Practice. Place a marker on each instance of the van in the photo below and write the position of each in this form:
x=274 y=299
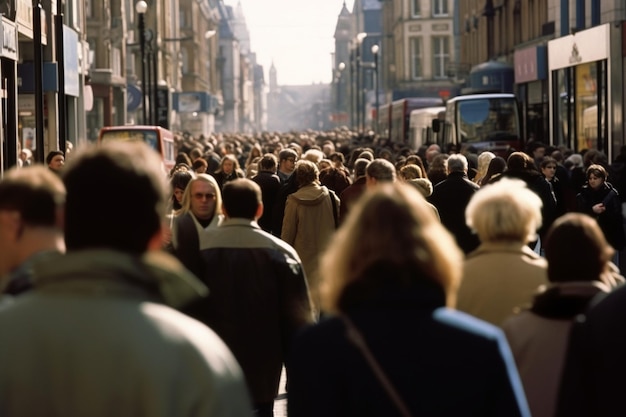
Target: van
x=158 y=138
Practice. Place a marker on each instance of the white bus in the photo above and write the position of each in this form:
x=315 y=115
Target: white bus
x=420 y=126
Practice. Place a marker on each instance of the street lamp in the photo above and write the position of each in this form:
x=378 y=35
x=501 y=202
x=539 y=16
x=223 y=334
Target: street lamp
x=375 y=49
x=141 y=7
x=359 y=39
x=340 y=68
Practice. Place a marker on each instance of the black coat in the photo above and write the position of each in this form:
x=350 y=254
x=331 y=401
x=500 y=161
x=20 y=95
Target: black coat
x=270 y=184
x=610 y=221
x=451 y=197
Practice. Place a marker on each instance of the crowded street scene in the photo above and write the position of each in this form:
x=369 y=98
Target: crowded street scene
x=269 y=208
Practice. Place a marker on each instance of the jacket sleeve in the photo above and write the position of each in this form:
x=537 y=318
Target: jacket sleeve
x=290 y=221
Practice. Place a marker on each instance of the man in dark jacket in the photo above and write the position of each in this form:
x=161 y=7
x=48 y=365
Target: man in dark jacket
x=259 y=297
x=451 y=197
x=270 y=184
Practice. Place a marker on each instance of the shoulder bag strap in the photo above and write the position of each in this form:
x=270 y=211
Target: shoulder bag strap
x=355 y=337
x=331 y=194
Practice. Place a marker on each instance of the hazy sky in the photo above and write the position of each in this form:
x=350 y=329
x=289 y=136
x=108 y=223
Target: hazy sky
x=297 y=35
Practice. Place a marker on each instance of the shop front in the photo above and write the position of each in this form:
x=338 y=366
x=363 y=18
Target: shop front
x=531 y=80
x=586 y=92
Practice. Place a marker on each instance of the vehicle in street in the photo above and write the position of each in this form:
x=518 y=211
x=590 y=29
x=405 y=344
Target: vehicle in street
x=420 y=126
x=488 y=122
x=401 y=114
x=158 y=138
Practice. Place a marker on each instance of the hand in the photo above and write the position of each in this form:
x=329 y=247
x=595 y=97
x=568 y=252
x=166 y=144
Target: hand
x=599 y=208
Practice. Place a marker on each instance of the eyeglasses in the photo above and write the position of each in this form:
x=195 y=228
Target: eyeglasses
x=200 y=196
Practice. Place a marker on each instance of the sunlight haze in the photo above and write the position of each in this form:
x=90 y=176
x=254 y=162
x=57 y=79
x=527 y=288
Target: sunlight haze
x=297 y=35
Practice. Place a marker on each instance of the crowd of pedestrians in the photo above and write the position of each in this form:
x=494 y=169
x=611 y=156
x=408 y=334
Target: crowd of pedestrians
x=385 y=281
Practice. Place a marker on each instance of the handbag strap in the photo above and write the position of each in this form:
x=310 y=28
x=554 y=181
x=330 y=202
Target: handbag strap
x=356 y=338
x=331 y=194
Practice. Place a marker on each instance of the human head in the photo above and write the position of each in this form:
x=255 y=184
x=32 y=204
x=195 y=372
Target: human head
x=268 y=163
x=178 y=182
x=457 y=163
x=55 y=160
x=306 y=173
x=496 y=167
x=31 y=197
x=407 y=237
x=519 y=162
x=287 y=160
x=410 y=171
x=359 y=167
x=505 y=211
x=483 y=163
x=242 y=198
x=584 y=260
x=202 y=197
x=229 y=163
x=596 y=176
x=199 y=166
x=548 y=167
x=97 y=179
x=379 y=170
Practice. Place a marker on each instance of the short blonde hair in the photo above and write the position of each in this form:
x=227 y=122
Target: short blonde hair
x=390 y=224
x=506 y=210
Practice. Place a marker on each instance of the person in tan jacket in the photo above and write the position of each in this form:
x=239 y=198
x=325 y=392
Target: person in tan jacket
x=503 y=273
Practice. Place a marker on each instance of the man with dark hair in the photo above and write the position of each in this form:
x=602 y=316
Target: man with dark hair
x=286 y=164
x=32 y=200
x=95 y=336
x=270 y=184
x=259 y=296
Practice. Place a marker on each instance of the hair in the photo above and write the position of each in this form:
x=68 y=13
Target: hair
x=506 y=210
x=366 y=155
x=313 y=155
x=360 y=165
x=496 y=167
x=584 y=260
x=547 y=160
x=268 y=163
x=255 y=151
x=407 y=237
x=598 y=171
x=229 y=157
x=519 y=161
x=194 y=154
x=337 y=157
x=35 y=192
x=180 y=179
x=457 y=163
x=286 y=154
x=306 y=173
x=410 y=172
x=416 y=160
x=381 y=170
x=182 y=158
x=199 y=163
x=483 y=164
x=187 y=197
x=52 y=154
x=241 y=198
x=97 y=179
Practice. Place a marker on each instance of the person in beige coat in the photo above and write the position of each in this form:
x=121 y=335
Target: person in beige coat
x=503 y=273
x=311 y=216
x=539 y=335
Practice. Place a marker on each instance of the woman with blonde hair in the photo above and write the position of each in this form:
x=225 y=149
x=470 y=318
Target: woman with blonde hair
x=392 y=345
x=483 y=164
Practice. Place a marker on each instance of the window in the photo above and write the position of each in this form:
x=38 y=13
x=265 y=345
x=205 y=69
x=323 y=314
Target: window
x=416 y=58
x=441 y=56
x=440 y=7
x=416 y=10
x=89 y=9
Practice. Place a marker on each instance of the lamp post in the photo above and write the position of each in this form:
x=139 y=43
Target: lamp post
x=359 y=40
x=340 y=69
x=375 y=49
x=141 y=7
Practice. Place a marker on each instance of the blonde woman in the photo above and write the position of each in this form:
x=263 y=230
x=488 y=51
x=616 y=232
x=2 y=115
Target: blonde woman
x=390 y=275
x=483 y=165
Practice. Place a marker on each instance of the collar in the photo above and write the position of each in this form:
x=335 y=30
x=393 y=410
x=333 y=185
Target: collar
x=155 y=275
